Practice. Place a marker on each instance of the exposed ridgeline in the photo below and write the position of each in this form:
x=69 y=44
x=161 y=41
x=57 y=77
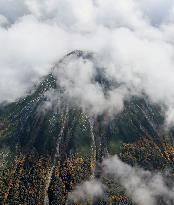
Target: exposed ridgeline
x=49 y=144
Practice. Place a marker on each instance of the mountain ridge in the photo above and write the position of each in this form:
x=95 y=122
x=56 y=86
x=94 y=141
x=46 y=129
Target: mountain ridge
x=53 y=145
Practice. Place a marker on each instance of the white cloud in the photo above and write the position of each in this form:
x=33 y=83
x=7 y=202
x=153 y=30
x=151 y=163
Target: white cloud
x=77 y=76
x=87 y=191
x=3 y=21
x=144 y=187
x=158 y=11
x=133 y=39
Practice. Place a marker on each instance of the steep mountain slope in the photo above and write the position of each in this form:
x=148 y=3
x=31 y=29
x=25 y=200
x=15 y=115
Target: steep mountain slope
x=48 y=144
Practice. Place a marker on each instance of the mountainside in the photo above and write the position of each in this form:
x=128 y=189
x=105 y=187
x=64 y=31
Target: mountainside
x=48 y=145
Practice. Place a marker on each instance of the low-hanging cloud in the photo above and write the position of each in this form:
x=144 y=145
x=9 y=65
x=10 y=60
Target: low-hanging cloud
x=78 y=77
x=132 y=39
x=88 y=190
x=142 y=187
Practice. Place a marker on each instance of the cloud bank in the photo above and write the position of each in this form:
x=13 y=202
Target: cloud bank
x=133 y=39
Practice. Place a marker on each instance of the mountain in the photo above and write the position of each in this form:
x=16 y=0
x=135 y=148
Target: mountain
x=48 y=145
